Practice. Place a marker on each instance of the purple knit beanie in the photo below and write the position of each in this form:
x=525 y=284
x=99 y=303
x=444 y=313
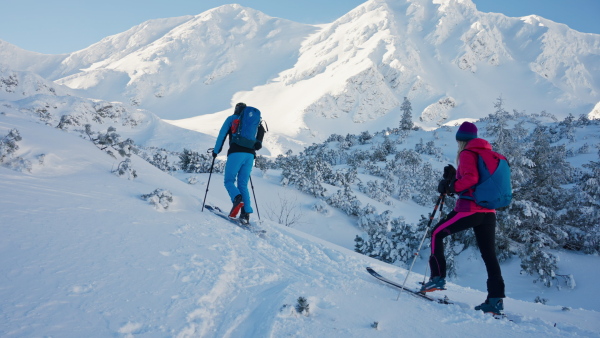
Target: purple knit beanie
x=466 y=132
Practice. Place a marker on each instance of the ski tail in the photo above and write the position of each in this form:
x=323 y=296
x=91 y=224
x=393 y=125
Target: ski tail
x=415 y=293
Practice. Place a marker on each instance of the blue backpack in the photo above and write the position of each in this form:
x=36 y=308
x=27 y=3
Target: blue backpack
x=493 y=190
x=244 y=128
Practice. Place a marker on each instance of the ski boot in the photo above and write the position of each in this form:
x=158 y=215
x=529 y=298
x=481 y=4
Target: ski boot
x=237 y=205
x=492 y=305
x=244 y=217
x=435 y=283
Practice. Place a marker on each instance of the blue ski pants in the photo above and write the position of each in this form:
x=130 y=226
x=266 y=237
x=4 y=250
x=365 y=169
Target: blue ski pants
x=238 y=168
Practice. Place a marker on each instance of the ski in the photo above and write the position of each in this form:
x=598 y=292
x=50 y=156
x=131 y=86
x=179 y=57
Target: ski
x=250 y=227
x=415 y=293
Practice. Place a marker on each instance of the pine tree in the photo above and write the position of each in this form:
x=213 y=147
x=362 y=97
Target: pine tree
x=406 y=123
x=497 y=127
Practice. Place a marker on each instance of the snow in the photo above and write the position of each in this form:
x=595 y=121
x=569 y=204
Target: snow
x=83 y=255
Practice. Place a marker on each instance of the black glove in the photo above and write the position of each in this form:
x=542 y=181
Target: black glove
x=443 y=186
x=257 y=145
x=214 y=154
x=449 y=172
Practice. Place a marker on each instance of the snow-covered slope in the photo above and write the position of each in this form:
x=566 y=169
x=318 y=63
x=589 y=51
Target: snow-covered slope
x=13 y=57
x=84 y=255
x=59 y=106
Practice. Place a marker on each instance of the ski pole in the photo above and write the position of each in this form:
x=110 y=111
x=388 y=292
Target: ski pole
x=253 y=194
x=437 y=204
x=209 y=175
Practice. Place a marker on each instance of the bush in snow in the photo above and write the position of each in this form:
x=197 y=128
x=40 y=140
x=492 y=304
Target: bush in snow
x=110 y=139
x=159 y=198
x=287 y=212
x=8 y=144
x=263 y=163
x=346 y=201
x=305 y=173
x=124 y=168
x=391 y=240
x=302 y=306
x=321 y=207
x=160 y=159
x=193 y=162
x=8 y=147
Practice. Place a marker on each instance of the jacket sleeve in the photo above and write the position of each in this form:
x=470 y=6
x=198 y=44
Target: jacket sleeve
x=223 y=134
x=467 y=174
x=260 y=134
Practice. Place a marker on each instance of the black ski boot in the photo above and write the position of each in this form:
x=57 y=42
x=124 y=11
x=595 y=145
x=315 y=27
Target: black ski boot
x=244 y=217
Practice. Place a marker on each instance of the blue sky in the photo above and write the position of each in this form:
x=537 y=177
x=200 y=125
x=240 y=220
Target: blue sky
x=64 y=26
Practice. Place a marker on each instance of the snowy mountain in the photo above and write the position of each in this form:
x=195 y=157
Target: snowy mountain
x=450 y=60
x=186 y=66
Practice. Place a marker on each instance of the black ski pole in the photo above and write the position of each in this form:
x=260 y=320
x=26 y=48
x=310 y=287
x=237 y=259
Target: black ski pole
x=253 y=194
x=437 y=204
x=210 y=150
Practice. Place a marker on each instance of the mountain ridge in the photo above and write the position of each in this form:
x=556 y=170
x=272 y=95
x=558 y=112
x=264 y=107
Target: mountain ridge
x=450 y=60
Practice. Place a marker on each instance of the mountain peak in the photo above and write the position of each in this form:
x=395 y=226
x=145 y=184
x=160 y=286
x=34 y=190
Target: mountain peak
x=450 y=60
x=446 y=3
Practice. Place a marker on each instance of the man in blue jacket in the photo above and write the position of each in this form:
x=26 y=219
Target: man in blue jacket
x=240 y=160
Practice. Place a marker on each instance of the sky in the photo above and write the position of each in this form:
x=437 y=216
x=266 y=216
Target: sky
x=65 y=26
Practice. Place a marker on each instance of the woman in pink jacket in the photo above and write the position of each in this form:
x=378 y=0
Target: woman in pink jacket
x=467 y=214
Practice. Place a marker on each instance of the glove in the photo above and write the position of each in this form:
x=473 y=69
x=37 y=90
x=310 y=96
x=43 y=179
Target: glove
x=449 y=172
x=443 y=186
x=214 y=154
x=257 y=145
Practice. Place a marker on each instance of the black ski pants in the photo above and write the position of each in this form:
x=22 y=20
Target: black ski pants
x=484 y=226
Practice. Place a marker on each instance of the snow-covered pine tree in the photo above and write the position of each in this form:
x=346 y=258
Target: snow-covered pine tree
x=305 y=173
x=567 y=128
x=497 y=127
x=537 y=261
x=582 y=219
x=406 y=122
x=345 y=200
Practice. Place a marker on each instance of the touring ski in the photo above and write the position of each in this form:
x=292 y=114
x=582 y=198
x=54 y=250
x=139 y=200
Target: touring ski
x=415 y=293
x=250 y=227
